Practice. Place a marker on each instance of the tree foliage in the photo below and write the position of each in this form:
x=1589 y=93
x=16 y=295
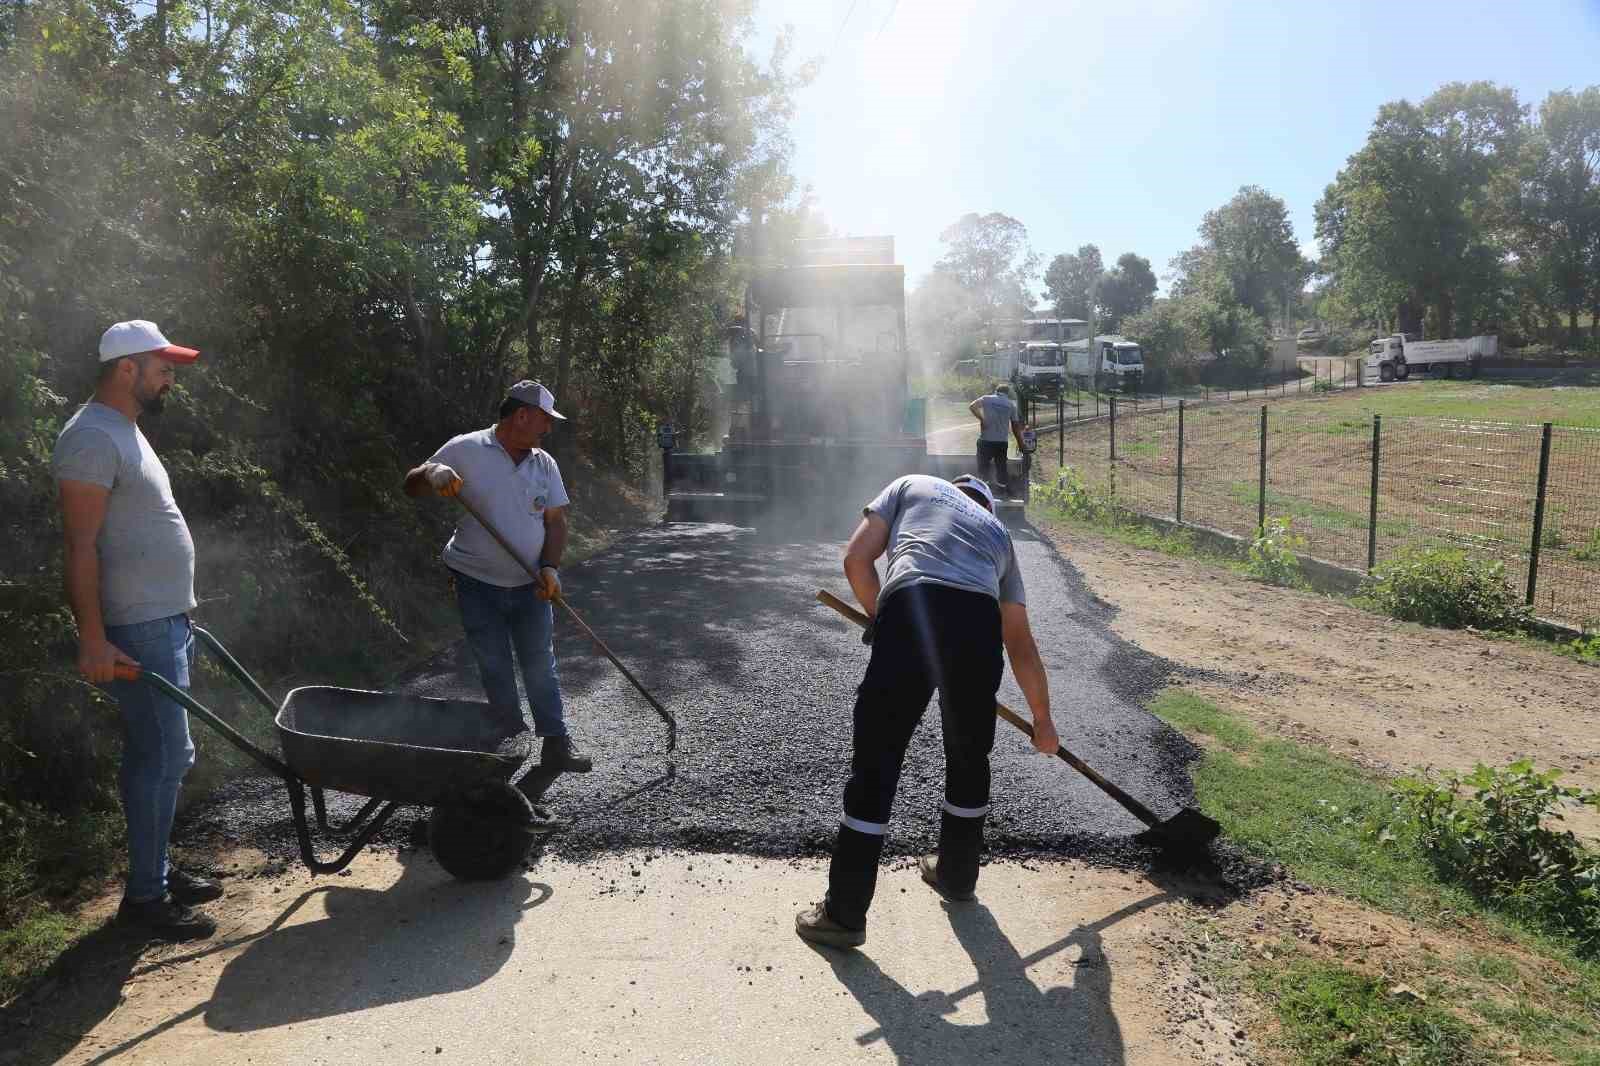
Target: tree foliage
x=371 y=216
x=1247 y=246
x=1072 y=281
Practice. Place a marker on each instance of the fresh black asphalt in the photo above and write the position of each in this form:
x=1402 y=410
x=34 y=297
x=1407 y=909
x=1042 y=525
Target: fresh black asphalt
x=722 y=625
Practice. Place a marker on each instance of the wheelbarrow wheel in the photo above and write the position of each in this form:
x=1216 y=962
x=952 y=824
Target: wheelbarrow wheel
x=484 y=834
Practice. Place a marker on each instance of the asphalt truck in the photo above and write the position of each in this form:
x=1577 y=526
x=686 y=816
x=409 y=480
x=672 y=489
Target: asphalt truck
x=1398 y=356
x=820 y=411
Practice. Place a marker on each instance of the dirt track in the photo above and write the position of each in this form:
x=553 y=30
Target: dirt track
x=1387 y=694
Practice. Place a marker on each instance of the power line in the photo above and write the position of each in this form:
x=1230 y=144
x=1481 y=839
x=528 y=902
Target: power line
x=840 y=35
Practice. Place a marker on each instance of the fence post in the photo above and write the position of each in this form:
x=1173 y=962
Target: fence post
x=1538 y=512
x=1179 y=516
x=1061 y=432
x=1261 y=504
x=1372 y=503
x=1113 y=429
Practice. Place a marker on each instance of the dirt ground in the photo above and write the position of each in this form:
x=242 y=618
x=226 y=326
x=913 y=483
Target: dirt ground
x=1060 y=961
x=1389 y=695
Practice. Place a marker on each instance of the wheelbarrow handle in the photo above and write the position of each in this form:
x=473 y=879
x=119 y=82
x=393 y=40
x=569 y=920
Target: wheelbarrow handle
x=126 y=672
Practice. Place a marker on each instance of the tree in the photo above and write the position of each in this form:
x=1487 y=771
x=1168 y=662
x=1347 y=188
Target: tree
x=1557 y=201
x=1408 y=226
x=1072 y=280
x=988 y=257
x=1126 y=290
x=1247 y=243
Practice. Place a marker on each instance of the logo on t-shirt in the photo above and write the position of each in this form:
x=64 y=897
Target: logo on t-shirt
x=538 y=504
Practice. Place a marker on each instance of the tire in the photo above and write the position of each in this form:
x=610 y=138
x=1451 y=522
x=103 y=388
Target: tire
x=1386 y=372
x=484 y=834
x=1473 y=365
x=1401 y=371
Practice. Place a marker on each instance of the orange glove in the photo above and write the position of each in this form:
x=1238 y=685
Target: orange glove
x=445 y=481
x=549 y=584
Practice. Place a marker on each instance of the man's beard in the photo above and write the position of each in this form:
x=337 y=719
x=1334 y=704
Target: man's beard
x=150 y=403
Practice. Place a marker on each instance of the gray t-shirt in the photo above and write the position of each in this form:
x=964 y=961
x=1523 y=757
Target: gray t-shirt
x=146 y=555
x=997 y=412
x=939 y=536
x=512 y=496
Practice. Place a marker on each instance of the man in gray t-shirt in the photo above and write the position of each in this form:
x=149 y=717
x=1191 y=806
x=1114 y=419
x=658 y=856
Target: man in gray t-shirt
x=953 y=599
x=130 y=580
x=998 y=420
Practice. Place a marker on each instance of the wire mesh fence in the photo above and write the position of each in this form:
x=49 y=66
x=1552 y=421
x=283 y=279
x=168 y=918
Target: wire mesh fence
x=1472 y=485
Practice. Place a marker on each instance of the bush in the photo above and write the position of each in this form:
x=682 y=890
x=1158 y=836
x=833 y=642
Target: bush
x=1071 y=496
x=1272 y=557
x=1446 y=587
x=1489 y=829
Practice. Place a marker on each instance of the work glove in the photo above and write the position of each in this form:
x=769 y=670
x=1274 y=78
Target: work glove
x=549 y=584
x=869 y=632
x=445 y=481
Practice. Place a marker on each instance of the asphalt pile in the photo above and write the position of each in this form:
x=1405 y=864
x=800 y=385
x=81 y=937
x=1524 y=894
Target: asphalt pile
x=721 y=624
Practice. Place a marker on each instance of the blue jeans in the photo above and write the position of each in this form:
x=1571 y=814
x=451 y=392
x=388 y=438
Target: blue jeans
x=499 y=620
x=156 y=749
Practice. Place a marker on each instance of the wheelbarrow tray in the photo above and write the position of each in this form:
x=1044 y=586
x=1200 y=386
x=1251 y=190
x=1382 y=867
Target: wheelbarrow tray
x=408 y=749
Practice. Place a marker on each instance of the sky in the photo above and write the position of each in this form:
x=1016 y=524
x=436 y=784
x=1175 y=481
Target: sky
x=1121 y=123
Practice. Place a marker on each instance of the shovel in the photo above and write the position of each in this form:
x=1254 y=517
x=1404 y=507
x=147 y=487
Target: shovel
x=533 y=572
x=1186 y=830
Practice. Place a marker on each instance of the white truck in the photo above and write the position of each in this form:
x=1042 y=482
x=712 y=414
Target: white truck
x=1396 y=357
x=1053 y=352
x=1109 y=361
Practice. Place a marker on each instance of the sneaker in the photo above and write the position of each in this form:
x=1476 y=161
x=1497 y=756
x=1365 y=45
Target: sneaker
x=187 y=889
x=815 y=925
x=165 y=919
x=560 y=753
x=929 y=865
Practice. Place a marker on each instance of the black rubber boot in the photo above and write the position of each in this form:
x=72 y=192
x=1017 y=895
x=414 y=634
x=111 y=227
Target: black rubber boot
x=853 y=876
x=960 y=845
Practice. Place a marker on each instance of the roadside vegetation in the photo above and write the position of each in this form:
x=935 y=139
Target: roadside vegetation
x=330 y=201
x=1468 y=860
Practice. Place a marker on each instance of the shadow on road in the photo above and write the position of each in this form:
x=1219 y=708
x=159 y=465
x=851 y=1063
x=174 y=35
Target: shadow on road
x=1025 y=1023
x=425 y=935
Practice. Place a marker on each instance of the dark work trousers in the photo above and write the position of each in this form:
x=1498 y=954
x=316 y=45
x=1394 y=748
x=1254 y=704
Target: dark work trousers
x=928 y=637
x=994 y=451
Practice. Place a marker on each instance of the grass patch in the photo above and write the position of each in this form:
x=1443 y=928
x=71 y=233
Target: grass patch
x=1331 y=1015
x=1334 y=825
x=31 y=945
x=1320 y=815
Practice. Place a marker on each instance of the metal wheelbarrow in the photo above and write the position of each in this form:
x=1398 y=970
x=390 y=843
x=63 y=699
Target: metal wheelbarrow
x=456 y=756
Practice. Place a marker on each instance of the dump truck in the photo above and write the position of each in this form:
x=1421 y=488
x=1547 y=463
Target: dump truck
x=820 y=413
x=1397 y=356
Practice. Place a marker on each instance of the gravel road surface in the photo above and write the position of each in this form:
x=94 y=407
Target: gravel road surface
x=722 y=625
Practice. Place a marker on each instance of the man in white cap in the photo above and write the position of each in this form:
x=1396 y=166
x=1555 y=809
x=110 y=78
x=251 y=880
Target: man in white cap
x=517 y=486
x=953 y=598
x=130 y=582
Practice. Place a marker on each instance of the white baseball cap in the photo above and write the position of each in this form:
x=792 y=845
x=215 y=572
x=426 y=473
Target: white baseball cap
x=535 y=395
x=136 y=336
x=975 y=484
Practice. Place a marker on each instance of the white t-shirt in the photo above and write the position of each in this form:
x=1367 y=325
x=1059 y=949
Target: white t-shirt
x=512 y=496
x=939 y=536
x=146 y=554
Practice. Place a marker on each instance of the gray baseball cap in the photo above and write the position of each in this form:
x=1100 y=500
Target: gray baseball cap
x=535 y=395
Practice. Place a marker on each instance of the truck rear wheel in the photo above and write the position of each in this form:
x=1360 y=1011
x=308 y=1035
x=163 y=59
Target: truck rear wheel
x=1401 y=371
x=1386 y=372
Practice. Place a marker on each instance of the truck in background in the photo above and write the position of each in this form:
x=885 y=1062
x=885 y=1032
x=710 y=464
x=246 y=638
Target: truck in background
x=1396 y=357
x=1053 y=352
